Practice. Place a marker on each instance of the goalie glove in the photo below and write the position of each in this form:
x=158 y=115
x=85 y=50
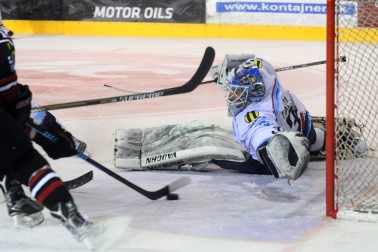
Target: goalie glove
x=285 y=154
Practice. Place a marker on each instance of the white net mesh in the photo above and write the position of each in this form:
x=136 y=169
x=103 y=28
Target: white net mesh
x=356 y=97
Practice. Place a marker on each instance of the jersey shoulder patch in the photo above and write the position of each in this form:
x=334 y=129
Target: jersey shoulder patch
x=251 y=116
x=258 y=63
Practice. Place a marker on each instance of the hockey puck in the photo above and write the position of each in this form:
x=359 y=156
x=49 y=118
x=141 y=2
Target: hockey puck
x=172 y=196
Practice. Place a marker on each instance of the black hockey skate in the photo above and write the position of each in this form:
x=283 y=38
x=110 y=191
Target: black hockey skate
x=7 y=32
x=81 y=229
x=24 y=211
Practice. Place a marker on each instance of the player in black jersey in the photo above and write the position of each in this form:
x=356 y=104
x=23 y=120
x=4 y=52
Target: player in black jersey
x=21 y=164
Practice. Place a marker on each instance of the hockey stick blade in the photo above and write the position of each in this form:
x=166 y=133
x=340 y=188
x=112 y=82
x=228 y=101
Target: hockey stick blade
x=79 y=181
x=192 y=84
x=181 y=182
x=152 y=195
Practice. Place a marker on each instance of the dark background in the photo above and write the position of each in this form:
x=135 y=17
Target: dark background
x=184 y=11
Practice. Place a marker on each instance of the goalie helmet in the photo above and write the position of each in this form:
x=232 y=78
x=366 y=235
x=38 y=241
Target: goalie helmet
x=244 y=85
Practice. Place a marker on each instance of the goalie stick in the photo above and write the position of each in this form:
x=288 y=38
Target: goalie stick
x=341 y=59
x=152 y=195
x=192 y=84
x=79 y=181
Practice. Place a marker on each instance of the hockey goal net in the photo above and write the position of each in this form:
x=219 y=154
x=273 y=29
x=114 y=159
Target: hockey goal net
x=352 y=98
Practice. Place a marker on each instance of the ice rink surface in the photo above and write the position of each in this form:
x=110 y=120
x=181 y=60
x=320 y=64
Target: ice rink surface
x=220 y=210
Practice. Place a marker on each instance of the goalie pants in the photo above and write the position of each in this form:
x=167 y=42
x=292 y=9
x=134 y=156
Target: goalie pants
x=251 y=166
x=20 y=161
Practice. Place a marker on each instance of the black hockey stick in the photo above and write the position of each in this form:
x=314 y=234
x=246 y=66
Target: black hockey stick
x=192 y=84
x=152 y=195
x=341 y=59
x=79 y=181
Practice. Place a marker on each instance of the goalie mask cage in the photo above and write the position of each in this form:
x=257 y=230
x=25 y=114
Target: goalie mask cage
x=352 y=98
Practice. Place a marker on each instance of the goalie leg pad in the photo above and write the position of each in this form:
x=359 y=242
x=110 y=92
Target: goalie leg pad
x=128 y=148
x=286 y=154
x=173 y=146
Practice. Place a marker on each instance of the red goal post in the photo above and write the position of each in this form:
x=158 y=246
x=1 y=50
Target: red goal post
x=352 y=109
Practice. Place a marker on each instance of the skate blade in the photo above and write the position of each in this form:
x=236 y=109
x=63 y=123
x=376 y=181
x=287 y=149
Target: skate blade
x=106 y=234
x=32 y=220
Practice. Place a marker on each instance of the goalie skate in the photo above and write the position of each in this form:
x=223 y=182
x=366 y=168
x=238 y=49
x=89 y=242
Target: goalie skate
x=349 y=138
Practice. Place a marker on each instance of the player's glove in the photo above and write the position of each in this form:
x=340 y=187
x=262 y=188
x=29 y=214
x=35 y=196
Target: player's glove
x=64 y=146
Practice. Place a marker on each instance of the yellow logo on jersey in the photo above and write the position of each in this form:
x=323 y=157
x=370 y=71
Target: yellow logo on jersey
x=258 y=63
x=11 y=49
x=251 y=116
